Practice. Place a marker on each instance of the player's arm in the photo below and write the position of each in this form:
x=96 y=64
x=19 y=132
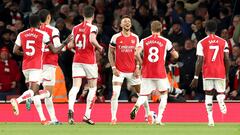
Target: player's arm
x=174 y=54
x=198 y=66
x=112 y=55
x=17 y=51
x=93 y=41
x=93 y=38
x=17 y=46
x=226 y=62
x=56 y=47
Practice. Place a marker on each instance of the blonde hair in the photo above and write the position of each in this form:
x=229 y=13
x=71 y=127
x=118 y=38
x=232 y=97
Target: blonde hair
x=156 y=26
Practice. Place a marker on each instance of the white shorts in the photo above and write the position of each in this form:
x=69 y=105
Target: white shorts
x=79 y=70
x=131 y=79
x=33 y=75
x=49 y=75
x=218 y=84
x=148 y=85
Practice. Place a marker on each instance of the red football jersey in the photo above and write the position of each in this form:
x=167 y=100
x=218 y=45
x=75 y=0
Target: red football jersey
x=85 y=51
x=33 y=42
x=212 y=48
x=49 y=57
x=154 y=53
x=125 y=51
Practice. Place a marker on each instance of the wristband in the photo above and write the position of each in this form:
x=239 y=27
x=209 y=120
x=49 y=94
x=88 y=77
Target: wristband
x=113 y=67
x=137 y=66
x=195 y=77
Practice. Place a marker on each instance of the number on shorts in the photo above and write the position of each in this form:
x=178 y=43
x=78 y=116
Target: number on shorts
x=30 y=47
x=81 y=44
x=153 y=54
x=216 y=49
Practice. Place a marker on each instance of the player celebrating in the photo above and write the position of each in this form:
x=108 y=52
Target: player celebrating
x=32 y=41
x=50 y=61
x=84 y=63
x=212 y=52
x=121 y=56
x=154 y=76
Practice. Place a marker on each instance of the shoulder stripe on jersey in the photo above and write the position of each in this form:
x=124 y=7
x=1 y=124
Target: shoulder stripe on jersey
x=47 y=43
x=94 y=32
x=113 y=44
x=55 y=36
x=171 y=49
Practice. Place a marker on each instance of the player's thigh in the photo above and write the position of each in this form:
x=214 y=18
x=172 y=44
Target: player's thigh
x=49 y=75
x=118 y=80
x=132 y=80
x=162 y=84
x=147 y=86
x=78 y=71
x=208 y=84
x=91 y=70
x=220 y=85
x=33 y=75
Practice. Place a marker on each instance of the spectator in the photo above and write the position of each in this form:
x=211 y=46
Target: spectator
x=176 y=35
x=9 y=74
x=235 y=22
x=187 y=67
x=198 y=30
x=65 y=58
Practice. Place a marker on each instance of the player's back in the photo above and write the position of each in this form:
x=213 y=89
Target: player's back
x=155 y=49
x=85 y=51
x=49 y=57
x=32 y=41
x=213 y=48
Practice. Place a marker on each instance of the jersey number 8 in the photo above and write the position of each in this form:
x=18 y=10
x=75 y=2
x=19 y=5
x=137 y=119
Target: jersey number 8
x=153 y=54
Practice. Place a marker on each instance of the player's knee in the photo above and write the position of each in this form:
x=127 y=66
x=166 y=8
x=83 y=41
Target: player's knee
x=209 y=92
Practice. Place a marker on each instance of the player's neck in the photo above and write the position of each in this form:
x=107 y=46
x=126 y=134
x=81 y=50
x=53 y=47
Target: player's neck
x=156 y=34
x=126 y=33
x=89 y=20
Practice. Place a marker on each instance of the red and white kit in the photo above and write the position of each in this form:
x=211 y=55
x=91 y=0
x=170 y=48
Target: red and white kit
x=33 y=42
x=212 y=48
x=154 y=74
x=84 y=61
x=50 y=60
x=125 y=57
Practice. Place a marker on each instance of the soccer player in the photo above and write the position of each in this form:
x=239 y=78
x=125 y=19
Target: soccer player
x=213 y=61
x=121 y=56
x=84 y=63
x=154 y=76
x=50 y=61
x=32 y=41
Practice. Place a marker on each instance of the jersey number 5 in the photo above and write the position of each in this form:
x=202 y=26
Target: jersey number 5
x=30 y=47
x=153 y=54
x=81 y=44
x=216 y=49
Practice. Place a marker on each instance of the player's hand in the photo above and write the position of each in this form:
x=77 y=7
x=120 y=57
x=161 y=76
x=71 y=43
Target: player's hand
x=68 y=39
x=194 y=83
x=100 y=49
x=116 y=72
x=234 y=93
x=137 y=73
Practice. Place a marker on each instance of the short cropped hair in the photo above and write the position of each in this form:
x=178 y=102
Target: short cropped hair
x=211 y=26
x=156 y=26
x=88 y=11
x=34 y=20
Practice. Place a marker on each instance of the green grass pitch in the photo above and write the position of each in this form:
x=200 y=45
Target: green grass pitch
x=120 y=129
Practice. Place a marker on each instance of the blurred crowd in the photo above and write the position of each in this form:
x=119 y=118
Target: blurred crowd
x=183 y=23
